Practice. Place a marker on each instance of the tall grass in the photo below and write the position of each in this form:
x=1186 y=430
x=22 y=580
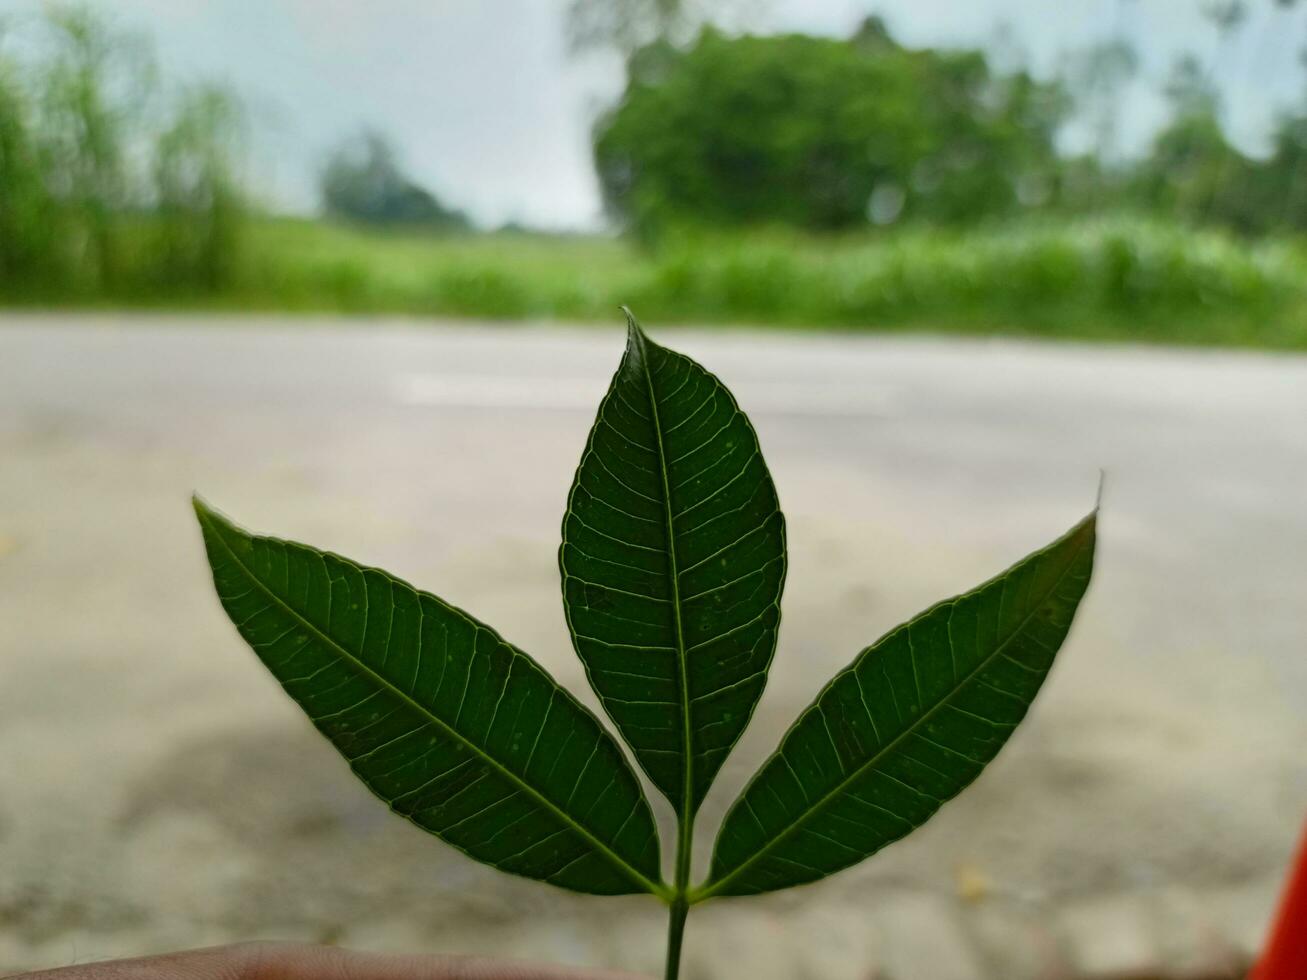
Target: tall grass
x=1116 y=278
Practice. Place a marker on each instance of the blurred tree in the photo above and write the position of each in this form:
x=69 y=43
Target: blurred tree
x=362 y=181
x=1226 y=15
x=96 y=91
x=1098 y=78
x=197 y=193
x=1282 y=187
x=27 y=234
x=1190 y=90
x=1193 y=172
x=105 y=185
x=821 y=133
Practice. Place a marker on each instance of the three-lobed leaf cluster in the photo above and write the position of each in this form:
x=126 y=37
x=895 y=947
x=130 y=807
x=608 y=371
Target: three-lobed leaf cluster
x=673 y=562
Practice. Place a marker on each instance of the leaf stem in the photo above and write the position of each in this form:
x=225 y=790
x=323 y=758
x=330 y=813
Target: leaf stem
x=675 y=931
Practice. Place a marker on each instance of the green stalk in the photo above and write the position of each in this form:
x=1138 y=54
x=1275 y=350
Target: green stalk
x=680 y=903
x=675 y=931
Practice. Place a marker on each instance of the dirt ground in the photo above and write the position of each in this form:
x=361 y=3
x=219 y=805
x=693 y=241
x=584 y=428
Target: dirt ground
x=157 y=790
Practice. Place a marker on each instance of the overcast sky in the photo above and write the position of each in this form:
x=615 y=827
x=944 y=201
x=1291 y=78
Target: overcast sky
x=491 y=113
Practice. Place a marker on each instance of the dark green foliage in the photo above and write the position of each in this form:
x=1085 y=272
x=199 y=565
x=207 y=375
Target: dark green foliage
x=452 y=726
x=904 y=728
x=362 y=181
x=819 y=133
x=673 y=561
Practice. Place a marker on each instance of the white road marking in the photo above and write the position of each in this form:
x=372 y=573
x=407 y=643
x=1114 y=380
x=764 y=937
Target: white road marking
x=500 y=391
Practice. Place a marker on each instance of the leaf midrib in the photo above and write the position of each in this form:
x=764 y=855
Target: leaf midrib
x=602 y=848
x=714 y=888
x=673 y=575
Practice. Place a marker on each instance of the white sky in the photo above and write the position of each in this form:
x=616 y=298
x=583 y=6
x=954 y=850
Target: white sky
x=491 y=114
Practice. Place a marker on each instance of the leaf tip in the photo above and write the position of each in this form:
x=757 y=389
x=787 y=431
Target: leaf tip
x=202 y=509
x=637 y=344
x=634 y=332
x=1085 y=531
x=1098 y=497
x=212 y=521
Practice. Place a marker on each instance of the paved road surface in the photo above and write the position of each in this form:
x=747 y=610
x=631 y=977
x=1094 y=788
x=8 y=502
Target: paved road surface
x=156 y=789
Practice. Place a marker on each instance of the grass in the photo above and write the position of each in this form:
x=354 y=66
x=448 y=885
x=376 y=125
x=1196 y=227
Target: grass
x=321 y=266
x=1117 y=278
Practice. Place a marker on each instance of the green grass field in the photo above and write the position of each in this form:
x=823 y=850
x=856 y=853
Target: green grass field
x=1119 y=278
x=321 y=266
x=1116 y=278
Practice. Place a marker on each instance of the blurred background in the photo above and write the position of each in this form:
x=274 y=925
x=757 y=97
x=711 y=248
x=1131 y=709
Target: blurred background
x=351 y=270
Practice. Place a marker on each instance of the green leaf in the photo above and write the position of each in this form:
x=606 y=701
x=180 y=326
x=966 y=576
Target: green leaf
x=673 y=560
x=454 y=728
x=909 y=724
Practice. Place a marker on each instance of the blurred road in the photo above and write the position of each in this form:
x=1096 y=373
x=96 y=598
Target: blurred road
x=157 y=789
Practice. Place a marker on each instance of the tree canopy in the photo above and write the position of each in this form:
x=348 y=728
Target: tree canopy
x=821 y=133
x=362 y=181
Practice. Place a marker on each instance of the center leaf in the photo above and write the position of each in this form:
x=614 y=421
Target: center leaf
x=673 y=562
